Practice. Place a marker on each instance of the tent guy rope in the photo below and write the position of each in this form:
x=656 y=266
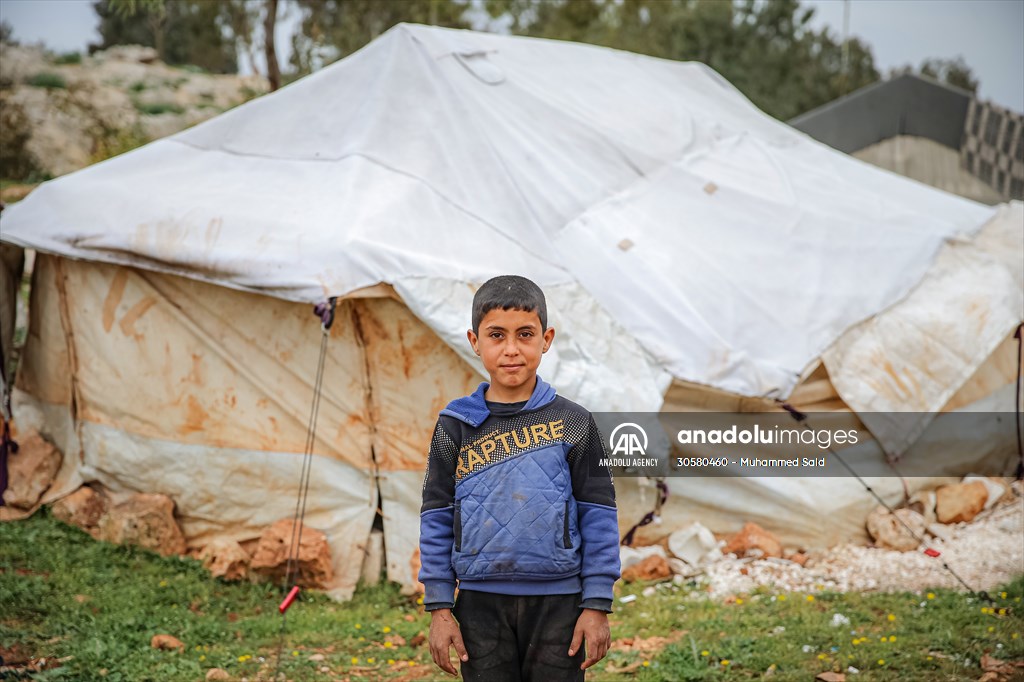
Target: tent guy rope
x=325 y=311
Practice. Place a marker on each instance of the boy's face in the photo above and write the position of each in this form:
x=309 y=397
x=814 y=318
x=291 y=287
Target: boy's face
x=511 y=343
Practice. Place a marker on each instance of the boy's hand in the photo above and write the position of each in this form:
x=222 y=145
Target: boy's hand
x=592 y=625
x=444 y=633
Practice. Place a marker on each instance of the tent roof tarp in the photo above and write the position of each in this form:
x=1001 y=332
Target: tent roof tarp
x=718 y=245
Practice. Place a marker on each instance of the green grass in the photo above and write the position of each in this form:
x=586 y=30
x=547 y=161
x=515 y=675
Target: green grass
x=157 y=108
x=69 y=58
x=64 y=594
x=48 y=80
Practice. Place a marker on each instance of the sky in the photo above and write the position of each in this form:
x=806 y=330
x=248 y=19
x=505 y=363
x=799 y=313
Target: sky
x=989 y=34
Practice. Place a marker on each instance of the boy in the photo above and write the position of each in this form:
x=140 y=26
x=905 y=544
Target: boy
x=518 y=510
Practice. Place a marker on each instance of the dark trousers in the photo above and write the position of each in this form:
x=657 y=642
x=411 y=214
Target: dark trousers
x=519 y=639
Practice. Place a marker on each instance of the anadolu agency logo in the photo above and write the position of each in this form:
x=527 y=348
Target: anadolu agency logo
x=628 y=440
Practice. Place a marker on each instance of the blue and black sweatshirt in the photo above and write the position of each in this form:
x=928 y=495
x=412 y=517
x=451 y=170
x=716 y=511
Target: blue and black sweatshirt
x=516 y=501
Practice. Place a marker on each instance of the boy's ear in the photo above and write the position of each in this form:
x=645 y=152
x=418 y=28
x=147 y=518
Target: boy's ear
x=549 y=334
x=472 y=340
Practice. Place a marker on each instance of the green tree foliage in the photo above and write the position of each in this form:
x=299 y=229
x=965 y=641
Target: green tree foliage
x=766 y=49
x=955 y=72
x=183 y=32
x=333 y=29
x=7 y=33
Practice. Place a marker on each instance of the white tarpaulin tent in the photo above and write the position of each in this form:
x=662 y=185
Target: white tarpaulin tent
x=681 y=234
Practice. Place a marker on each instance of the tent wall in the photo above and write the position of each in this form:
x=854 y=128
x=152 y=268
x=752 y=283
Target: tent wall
x=155 y=383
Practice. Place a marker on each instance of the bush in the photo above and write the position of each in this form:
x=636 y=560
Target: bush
x=117 y=141
x=137 y=86
x=158 y=108
x=69 y=58
x=48 y=80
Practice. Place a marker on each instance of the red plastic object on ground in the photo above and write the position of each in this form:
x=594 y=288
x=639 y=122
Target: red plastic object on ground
x=932 y=552
x=289 y=599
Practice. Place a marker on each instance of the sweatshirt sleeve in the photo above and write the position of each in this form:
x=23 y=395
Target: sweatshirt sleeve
x=598 y=518
x=437 y=519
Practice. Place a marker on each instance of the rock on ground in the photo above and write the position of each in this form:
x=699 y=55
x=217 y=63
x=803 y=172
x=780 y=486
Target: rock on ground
x=314 y=568
x=654 y=567
x=753 y=540
x=167 y=643
x=83 y=508
x=144 y=520
x=225 y=559
x=31 y=471
x=960 y=501
x=986 y=553
x=889 y=532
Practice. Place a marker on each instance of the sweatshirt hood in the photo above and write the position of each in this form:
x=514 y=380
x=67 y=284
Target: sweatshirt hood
x=472 y=409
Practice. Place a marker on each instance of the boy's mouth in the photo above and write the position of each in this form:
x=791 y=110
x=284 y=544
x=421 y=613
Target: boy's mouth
x=511 y=368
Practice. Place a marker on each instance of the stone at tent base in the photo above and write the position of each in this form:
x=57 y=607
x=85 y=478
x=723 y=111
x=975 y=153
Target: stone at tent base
x=146 y=521
x=373 y=562
x=753 y=540
x=83 y=508
x=654 y=567
x=694 y=544
x=314 y=567
x=923 y=502
x=630 y=556
x=960 y=501
x=889 y=533
x=995 y=487
x=226 y=559
x=167 y=643
x=30 y=471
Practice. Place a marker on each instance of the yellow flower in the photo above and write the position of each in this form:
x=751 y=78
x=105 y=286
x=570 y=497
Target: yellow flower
x=387 y=645
x=856 y=641
x=371 y=660
x=892 y=617
x=163 y=583
x=881 y=661
x=1014 y=636
x=391 y=661
x=991 y=629
x=725 y=661
x=1002 y=612
x=739 y=601
x=385 y=629
x=354 y=660
x=705 y=653
x=241 y=659
x=647 y=664
x=810 y=597
x=420 y=602
x=782 y=597
x=362 y=639
x=1002 y=595
x=931 y=595
x=202 y=657
x=822 y=657
x=892 y=638
x=881 y=639
x=927 y=658
x=359 y=626
x=412 y=662
x=295 y=653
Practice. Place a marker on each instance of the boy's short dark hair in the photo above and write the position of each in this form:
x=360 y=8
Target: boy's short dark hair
x=509 y=292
